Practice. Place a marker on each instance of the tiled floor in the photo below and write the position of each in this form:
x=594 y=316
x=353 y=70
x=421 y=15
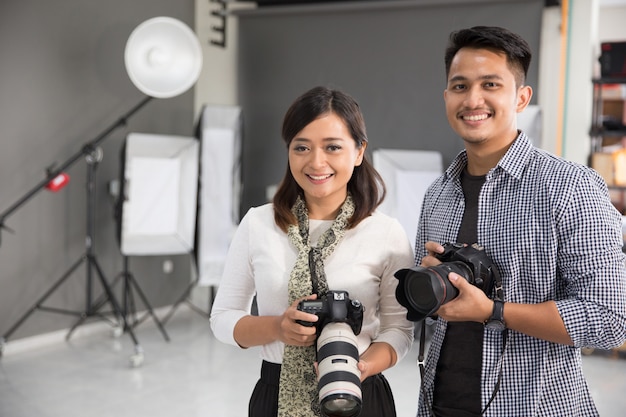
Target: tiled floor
x=193 y=375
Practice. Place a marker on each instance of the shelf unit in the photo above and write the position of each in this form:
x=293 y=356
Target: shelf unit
x=608 y=136
x=609 y=112
x=608 y=131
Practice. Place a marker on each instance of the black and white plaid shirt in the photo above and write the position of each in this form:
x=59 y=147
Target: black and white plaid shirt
x=550 y=227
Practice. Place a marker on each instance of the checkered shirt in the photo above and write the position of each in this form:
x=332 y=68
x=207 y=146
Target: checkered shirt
x=549 y=226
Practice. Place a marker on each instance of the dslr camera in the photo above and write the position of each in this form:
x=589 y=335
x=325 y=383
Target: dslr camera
x=339 y=321
x=422 y=290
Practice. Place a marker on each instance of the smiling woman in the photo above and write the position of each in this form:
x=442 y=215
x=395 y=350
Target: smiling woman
x=322 y=158
x=321 y=235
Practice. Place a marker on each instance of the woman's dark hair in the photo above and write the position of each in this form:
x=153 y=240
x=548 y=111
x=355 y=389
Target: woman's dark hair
x=499 y=40
x=366 y=185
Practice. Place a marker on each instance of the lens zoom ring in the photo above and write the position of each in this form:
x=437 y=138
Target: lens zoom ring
x=342 y=376
x=337 y=348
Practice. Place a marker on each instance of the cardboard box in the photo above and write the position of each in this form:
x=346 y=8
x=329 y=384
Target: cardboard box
x=619 y=167
x=603 y=163
x=611 y=166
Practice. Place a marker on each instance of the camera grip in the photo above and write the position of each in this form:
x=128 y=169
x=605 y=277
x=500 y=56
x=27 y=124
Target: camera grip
x=305 y=323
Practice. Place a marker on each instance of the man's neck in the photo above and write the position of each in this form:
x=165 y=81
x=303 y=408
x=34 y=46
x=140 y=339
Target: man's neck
x=480 y=159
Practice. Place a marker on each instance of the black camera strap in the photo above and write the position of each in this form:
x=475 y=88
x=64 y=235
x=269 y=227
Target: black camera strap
x=500 y=297
x=420 y=363
x=496 y=388
x=420 y=358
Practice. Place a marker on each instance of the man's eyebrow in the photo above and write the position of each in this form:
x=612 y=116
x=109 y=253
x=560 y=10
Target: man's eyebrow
x=482 y=77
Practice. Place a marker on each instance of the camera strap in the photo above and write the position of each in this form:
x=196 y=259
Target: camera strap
x=499 y=296
x=420 y=363
x=298 y=392
x=315 y=259
x=420 y=356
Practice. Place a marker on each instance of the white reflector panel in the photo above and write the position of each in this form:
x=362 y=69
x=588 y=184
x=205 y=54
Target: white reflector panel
x=407 y=175
x=160 y=194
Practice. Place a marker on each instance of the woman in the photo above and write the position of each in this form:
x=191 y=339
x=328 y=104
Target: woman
x=321 y=233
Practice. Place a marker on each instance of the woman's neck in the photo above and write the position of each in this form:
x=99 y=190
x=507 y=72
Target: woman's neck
x=323 y=209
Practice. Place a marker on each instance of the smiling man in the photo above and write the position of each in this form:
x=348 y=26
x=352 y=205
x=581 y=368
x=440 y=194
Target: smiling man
x=549 y=226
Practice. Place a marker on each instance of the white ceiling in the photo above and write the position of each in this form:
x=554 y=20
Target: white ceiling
x=604 y=3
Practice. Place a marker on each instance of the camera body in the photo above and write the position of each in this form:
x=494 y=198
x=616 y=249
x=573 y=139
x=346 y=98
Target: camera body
x=422 y=290
x=339 y=382
x=333 y=307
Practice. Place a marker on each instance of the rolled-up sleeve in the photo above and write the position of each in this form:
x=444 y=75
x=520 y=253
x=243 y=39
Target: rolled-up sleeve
x=594 y=268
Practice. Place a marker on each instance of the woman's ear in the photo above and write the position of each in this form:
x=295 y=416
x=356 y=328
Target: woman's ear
x=360 y=154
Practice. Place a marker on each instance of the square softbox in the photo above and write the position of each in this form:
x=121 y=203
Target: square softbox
x=159 y=191
x=407 y=175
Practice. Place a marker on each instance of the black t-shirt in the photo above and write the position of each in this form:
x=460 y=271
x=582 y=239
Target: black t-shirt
x=457 y=380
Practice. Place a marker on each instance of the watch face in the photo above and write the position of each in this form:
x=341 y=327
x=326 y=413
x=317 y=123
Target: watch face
x=495 y=325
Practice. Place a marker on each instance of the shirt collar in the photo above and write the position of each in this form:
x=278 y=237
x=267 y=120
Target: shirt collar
x=514 y=160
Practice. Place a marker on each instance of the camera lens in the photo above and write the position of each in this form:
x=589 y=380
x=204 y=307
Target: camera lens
x=340 y=407
x=339 y=376
x=423 y=290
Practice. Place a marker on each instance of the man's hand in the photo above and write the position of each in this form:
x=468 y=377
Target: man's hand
x=470 y=305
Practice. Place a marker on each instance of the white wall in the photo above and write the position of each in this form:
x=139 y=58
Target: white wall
x=218 y=81
x=612 y=24
x=565 y=123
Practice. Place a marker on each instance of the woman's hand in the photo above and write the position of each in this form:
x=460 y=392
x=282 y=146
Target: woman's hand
x=378 y=357
x=293 y=333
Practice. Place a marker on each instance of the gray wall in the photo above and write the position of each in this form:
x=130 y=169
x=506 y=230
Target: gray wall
x=387 y=54
x=62 y=82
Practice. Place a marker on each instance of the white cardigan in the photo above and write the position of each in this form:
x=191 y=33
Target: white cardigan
x=260 y=260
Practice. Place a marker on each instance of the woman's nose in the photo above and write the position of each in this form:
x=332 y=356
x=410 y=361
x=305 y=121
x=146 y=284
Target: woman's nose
x=318 y=158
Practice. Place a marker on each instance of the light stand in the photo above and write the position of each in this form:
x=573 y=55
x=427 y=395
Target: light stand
x=93 y=156
x=186 y=295
x=129 y=308
x=163 y=59
x=157 y=194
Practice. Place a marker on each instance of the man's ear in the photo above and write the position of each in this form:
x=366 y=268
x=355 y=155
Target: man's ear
x=524 y=94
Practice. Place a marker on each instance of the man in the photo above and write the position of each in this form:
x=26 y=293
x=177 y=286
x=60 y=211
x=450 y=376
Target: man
x=548 y=225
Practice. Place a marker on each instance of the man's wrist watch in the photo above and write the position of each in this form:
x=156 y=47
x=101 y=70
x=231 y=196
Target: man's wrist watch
x=496 y=321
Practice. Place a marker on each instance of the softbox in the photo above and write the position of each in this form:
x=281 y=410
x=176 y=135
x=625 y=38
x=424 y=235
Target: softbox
x=219 y=130
x=159 y=187
x=407 y=175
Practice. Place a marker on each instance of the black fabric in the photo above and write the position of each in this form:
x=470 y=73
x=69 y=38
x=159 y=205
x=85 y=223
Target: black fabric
x=457 y=380
x=264 y=399
x=468 y=232
x=377 y=396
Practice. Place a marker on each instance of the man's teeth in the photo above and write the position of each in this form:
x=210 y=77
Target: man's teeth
x=475 y=118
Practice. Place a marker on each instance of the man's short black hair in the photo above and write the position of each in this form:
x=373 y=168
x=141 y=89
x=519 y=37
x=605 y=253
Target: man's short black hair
x=496 y=39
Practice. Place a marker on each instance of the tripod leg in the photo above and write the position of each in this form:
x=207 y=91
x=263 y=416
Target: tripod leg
x=103 y=299
x=182 y=299
x=97 y=305
x=148 y=306
x=137 y=359
x=37 y=305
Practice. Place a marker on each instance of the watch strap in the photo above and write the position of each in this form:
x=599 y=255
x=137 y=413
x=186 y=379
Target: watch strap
x=496 y=321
